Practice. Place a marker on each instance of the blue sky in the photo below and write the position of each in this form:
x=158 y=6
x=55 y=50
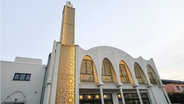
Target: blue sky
x=151 y=29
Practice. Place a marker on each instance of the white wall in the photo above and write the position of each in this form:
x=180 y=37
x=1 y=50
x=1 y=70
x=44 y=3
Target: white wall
x=115 y=56
x=30 y=89
x=52 y=74
x=159 y=95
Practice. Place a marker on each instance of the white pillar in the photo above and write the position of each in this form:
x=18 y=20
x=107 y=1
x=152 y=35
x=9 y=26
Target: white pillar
x=49 y=76
x=165 y=93
x=55 y=75
x=101 y=94
x=122 y=96
x=139 y=95
x=47 y=95
x=150 y=92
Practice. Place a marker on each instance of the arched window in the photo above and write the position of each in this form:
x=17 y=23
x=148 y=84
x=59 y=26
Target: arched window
x=125 y=73
x=139 y=74
x=108 y=74
x=152 y=76
x=88 y=70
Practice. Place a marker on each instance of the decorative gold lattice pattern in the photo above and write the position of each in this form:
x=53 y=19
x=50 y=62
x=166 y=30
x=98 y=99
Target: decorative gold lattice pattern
x=88 y=70
x=68 y=26
x=66 y=76
x=139 y=74
x=123 y=73
x=152 y=75
x=107 y=70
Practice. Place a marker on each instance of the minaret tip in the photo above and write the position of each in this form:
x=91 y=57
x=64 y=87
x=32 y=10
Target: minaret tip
x=69 y=4
x=68 y=25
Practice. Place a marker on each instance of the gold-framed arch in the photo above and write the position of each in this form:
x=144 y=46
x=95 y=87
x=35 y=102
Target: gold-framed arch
x=152 y=75
x=140 y=76
x=88 y=71
x=125 y=75
x=108 y=73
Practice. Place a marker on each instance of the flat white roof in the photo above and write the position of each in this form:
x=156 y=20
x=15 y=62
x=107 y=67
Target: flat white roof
x=28 y=60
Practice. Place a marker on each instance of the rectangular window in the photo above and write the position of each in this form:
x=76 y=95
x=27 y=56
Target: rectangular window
x=22 y=76
x=131 y=97
x=95 y=99
x=178 y=88
x=145 y=99
x=183 y=88
x=16 y=76
x=28 y=76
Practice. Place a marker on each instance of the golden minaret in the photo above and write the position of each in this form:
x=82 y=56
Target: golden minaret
x=65 y=93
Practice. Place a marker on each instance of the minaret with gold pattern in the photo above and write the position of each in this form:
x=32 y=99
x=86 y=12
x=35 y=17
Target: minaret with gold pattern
x=65 y=93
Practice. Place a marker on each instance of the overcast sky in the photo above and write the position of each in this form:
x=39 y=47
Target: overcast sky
x=151 y=29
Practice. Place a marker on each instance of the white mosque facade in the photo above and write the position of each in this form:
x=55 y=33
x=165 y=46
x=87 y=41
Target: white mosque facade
x=100 y=75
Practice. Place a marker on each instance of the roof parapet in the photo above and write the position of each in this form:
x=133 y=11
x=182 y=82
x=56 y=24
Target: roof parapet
x=28 y=60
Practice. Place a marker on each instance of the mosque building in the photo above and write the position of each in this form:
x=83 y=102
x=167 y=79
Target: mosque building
x=100 y=75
